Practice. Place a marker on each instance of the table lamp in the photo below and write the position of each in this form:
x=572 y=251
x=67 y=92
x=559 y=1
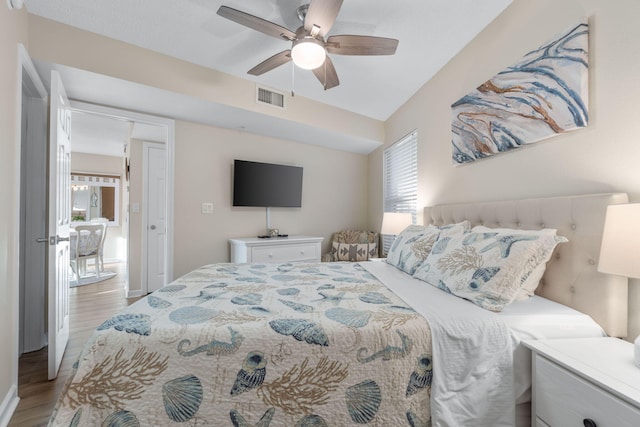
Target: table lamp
x=394 y=222
x=620 y=250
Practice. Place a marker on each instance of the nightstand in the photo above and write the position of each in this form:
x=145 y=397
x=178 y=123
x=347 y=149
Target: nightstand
x=589 y=382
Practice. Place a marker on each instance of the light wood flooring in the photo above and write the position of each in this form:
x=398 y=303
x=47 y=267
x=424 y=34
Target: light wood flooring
x=90 y=305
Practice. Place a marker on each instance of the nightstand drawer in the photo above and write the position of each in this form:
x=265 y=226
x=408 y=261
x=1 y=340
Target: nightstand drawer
x=563 y=399
x=281 y=253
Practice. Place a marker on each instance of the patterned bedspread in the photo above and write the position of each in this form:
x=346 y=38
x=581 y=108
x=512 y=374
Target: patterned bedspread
x=266 y=345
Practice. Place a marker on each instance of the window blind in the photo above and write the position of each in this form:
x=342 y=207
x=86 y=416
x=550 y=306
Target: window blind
x=400 y=180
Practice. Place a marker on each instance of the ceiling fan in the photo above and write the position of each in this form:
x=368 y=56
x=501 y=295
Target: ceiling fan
x=308 y=45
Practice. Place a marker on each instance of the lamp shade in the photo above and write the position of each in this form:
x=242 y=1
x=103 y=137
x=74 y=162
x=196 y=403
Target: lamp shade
x=620 y=250
x=395 y=222
x=308 y=53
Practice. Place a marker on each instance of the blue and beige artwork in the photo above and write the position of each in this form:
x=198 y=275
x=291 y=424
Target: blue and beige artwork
x=544 y=94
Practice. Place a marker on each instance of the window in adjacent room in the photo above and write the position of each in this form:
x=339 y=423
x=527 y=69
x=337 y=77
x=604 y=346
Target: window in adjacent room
x=400 y=179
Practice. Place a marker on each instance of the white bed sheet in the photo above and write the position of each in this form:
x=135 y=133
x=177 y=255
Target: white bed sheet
x=539 y=318
x=472 y=354
x=533 y=319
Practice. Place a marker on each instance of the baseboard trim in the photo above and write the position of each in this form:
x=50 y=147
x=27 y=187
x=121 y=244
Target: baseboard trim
x=9 y=405
x=133 y=294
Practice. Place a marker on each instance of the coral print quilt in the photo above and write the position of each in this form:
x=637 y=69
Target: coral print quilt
x=266 y=345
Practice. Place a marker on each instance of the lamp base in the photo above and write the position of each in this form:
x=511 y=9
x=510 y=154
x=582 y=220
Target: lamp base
x=636 y=351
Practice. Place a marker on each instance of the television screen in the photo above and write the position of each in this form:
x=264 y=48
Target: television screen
x=266 y=185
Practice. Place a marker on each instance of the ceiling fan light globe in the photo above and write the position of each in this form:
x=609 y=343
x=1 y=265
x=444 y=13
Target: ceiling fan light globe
x=308 y=53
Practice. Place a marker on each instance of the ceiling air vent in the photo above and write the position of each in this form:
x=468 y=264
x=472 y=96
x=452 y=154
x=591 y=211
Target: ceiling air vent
x=269 y=97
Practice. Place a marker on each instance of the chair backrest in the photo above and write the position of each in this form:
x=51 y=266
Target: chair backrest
x=104 y=221
x=90 y=238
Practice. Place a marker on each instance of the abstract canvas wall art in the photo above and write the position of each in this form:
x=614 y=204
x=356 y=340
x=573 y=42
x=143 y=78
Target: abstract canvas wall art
x=544 y=94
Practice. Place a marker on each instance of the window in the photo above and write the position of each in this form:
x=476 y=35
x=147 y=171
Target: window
x=400 y=179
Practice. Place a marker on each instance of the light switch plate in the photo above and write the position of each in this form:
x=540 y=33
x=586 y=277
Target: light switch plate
x=207 y=208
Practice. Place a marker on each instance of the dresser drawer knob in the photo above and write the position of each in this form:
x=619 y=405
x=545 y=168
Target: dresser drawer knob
x=589 y=423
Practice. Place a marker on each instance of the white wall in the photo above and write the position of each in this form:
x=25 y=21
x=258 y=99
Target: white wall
x=61 y=44
x=600 y=158
x=334 y=192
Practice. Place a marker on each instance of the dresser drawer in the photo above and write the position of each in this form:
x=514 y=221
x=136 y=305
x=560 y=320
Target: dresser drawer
x=563 y=399
x=282 y=253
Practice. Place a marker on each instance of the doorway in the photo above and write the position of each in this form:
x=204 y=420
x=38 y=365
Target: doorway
x=32 y=297
x=143 y=129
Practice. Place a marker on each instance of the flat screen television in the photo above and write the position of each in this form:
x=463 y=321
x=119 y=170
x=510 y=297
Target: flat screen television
x=266 y=185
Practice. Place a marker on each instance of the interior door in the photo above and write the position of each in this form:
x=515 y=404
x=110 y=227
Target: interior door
x=156 y=202
x=59 y=217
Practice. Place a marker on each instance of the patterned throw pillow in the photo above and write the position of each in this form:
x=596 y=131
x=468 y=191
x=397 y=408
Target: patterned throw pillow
x=486 y=268
x=531 y=283
x=354 y=251
x=414 y=243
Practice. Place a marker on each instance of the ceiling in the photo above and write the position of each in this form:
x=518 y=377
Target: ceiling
x=430 y=32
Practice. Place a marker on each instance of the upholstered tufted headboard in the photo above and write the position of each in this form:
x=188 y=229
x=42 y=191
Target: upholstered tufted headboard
x=571 y=277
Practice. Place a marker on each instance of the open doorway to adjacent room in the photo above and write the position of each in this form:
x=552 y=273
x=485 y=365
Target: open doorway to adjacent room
x=108 y=147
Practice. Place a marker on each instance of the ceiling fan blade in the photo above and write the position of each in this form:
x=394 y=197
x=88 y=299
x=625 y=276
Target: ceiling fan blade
x=322 y=13
x=361 y=45
x=327 y=75
x=269 y=64
x=255 y=23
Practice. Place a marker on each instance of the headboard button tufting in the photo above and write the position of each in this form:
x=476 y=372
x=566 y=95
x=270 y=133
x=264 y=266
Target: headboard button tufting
x=573 y=226
x=592 y=262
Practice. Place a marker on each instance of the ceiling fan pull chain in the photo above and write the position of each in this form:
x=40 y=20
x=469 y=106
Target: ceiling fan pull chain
x=293 y=79
x=325 y=75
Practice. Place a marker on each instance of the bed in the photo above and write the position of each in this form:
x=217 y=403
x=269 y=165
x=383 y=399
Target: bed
x=300 y=344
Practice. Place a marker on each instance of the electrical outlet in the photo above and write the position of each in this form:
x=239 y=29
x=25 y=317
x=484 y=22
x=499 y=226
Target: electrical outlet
x=207 y=208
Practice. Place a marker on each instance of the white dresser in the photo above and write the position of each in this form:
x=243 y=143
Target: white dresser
x=589 y=382
x=279 y=249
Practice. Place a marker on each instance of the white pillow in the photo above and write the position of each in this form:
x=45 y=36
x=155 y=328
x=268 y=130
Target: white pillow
x=487 y=268
x=412 y=246
x=533 y=280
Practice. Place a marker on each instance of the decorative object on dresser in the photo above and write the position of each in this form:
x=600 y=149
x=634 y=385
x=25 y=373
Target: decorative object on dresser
x=352 y=245
x=280 y=249
x=584 y=381
x=621 y=246
x=543 y=95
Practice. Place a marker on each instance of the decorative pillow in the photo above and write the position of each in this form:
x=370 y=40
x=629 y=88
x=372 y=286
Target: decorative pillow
x=531 y=283
x=354 y=251
x=414 y=243
x=486 y=268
